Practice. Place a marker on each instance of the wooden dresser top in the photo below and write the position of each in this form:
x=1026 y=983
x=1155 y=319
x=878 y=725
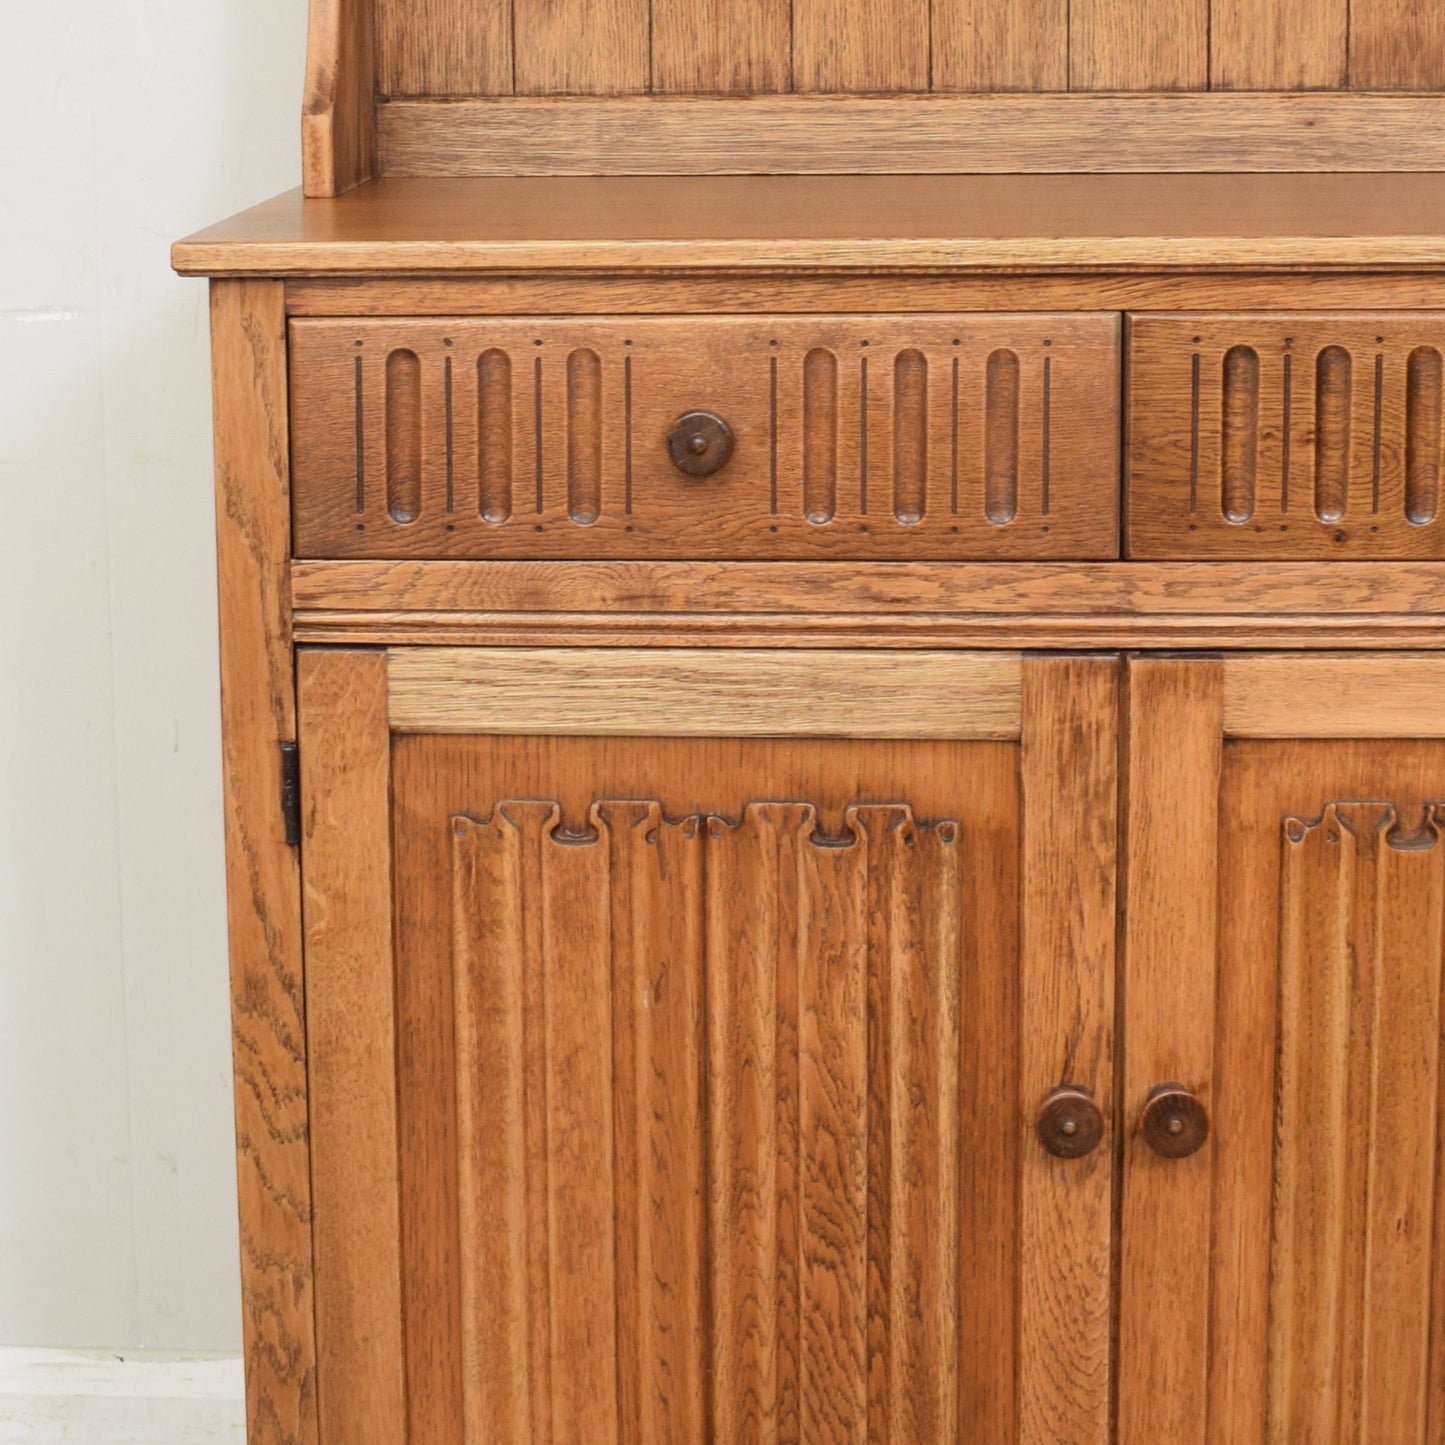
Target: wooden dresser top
x=1316 y=221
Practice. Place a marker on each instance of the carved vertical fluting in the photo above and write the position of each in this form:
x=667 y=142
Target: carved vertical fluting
x=495 y=438
x=1002 y=403
x=1357 y=1125
x=584 y=436
x=910 y=436
x=1239 y=442
x=403 y=435
x=1334 y=401
x=1423 y=406
x=820 y=436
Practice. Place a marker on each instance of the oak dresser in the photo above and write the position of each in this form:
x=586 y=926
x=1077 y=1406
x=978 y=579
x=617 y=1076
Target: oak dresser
x=833 y=642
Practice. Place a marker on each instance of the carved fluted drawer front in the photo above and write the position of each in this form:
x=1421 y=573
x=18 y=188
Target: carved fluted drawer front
x=862 y=436
x=1286 y=436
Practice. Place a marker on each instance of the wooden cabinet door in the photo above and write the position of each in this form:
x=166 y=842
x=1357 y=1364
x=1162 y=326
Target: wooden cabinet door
x=677 y=1025
x=1282 y=962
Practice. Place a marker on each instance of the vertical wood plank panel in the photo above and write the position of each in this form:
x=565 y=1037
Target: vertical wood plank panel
x=914 y=924
x=1408 y=919
x=832 y=1132
x=581 y=47
x=1070 y=771
x=1278 y=44
x=351 y=1042
x=1397 y=45
x=726 y=47
x=998 y=45
x=497 y=1296
x=657 y=949
x=746 y=988
x=263 y=883
x=444 y=47
x=861 y=45
x=1138 y=45
x=576 y=967
x=1171 y=810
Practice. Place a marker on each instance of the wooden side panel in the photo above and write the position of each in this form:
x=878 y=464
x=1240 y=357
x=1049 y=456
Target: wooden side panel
x=1069 y=867
x=1279 y=44
x=338 y=126
x=922 y=437
x=1285 y=436
x=861 y=45
x=1396 y=45
x=1138 y=45
x=263 y=885
x=1001 y=45
x=728 y=47
x=581 y=47
x=351 y=1042
x=443 y=47
x=1170 y=916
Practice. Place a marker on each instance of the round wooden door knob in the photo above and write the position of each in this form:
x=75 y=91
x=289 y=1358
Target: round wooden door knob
x=1174 y=1122
x=1070 y=1124
x=700 y=443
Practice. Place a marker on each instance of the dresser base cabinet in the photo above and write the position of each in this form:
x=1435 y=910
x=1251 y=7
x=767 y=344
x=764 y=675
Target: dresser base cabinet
x=667 y=1085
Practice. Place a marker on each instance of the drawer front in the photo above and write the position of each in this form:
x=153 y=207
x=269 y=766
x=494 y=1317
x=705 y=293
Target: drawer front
x=871 y=437
x=1285 y=436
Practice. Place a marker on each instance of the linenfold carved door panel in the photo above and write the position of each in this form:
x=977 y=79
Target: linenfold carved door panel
x=1285 y=932
x=713 y=1057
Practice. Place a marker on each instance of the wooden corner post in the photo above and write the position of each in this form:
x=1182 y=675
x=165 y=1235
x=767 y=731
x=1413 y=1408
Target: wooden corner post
x=263 y=882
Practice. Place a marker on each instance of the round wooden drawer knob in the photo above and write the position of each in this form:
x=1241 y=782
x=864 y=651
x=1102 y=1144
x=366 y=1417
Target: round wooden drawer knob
x=1070 y=1124
x=700 y=443
x=1174 y=1122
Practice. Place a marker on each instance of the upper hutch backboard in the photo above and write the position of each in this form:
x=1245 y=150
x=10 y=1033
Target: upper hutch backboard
x=583 y=87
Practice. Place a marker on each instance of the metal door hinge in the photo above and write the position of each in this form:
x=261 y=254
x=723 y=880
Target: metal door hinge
x=291 y=793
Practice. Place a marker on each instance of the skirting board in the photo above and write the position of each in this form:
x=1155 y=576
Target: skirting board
x=120 y=1398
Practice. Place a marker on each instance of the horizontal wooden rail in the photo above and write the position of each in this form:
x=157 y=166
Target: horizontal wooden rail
x=957 y=134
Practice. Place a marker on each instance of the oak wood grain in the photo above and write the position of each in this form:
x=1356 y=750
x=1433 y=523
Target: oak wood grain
x=1138 y=45
x=548 y=59
x=399 y=225
x=1278 y=44
x=338 y=129
x=1069 y=779
x=1169 y=920
x=552 y=438
x=993 y=46
x=1396 y=45
x=1333 y=696
x=947 y=134
x=442 y=48
x=263 y=886
x=861 y=45
x=724 y=47
x=351 y=1041
x=696 y=693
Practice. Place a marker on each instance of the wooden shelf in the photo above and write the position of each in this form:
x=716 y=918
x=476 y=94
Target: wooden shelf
x=754 y=223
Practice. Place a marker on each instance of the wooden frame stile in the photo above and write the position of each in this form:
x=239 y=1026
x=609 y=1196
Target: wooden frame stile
x=1070 y=851
x=346 y=823
x=258 y=713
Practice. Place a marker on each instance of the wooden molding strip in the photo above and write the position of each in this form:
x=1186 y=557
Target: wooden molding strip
x=875 y=589
x=1283 y=695
x=840 y=135
x=695 y=693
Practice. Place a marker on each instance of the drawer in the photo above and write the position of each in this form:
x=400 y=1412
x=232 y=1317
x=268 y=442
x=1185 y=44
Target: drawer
x=1285 y=436
x=940 y=436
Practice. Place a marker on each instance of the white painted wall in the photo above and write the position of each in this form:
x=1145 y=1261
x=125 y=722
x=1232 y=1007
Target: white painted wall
x=123 y=125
